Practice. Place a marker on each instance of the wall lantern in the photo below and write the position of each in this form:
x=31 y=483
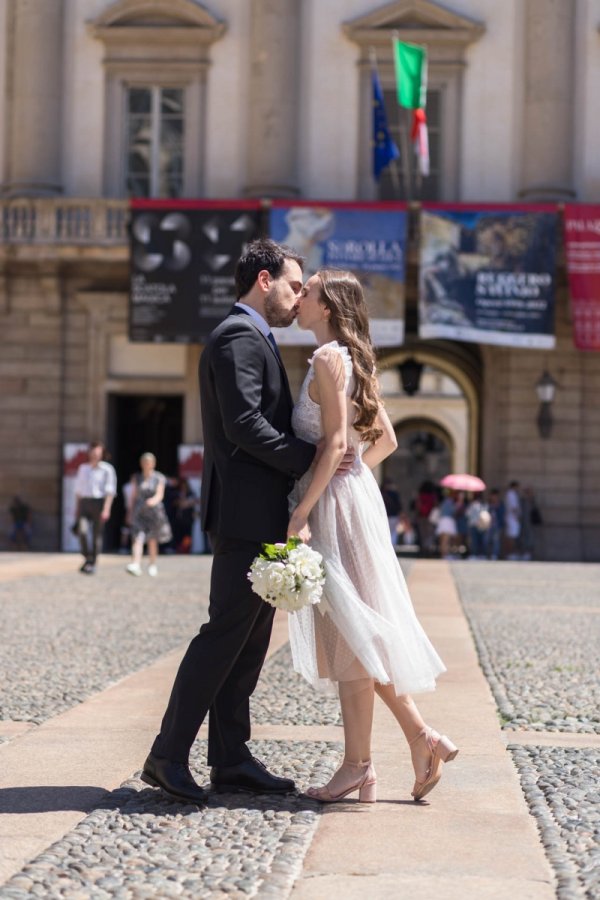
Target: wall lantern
x=410 y=375
x=546 y=389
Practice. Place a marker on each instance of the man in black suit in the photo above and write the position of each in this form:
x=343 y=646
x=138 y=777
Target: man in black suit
x=251 y=459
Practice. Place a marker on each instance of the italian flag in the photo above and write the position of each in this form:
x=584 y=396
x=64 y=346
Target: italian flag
x=411 y=84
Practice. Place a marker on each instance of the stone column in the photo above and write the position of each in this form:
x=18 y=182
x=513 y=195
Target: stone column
x=35 y=97
x=274 y=92
x=547 y=164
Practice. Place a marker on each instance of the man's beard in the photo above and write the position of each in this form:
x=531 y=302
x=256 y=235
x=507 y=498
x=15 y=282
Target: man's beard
x=276 y=314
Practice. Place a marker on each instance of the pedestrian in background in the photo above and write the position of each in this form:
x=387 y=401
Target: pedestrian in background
x=95 y=489
x=20 y=533
x=393 y=506
x=530 y=516
x=427 y=501
x=446 y=527
x=479 y=521
x=148 y=519
x=512 y=520
x=184 y=506
x=493 y=536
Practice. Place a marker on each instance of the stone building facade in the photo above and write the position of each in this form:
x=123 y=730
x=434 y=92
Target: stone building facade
x=275 y=100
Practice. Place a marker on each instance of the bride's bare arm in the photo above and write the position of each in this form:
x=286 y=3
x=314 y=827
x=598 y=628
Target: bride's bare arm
x=330 y=383
x=385 y=445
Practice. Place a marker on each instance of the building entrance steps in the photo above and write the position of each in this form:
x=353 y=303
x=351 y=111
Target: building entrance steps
x=474 y=838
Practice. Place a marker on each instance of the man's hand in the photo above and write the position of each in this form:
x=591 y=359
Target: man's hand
x=347 y=459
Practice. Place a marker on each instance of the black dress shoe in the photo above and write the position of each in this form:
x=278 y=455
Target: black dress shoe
x=250 y=775
x=174 y=779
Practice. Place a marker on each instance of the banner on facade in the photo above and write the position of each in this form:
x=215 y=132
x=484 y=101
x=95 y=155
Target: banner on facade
x=183 y=258
x=74 y=455
x=582 y=248
x=191 y=464
x=487 y=274
x=367 y=238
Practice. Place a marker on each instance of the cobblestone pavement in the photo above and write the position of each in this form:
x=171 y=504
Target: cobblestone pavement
x=562 y=787
x=536 y=628
x=139 y=844
x=537 y=631
x=73 y=635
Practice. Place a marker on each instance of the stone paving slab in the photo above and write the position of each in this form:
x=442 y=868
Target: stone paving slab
x=537 y=631
x=25 y=565
x=472 y=838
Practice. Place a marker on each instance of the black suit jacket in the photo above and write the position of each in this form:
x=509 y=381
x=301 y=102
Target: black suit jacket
x=251 y=457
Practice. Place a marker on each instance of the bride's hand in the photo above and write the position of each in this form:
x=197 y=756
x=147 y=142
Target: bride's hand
x=298 y=526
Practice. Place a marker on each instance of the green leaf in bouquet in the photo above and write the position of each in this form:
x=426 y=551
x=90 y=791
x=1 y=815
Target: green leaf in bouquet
x=270 y=551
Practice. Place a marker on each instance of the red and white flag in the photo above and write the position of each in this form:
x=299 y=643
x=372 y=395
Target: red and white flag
x=421 y=140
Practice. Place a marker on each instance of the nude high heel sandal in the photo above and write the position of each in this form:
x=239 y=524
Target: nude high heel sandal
x=442 y=750
x=365 y=784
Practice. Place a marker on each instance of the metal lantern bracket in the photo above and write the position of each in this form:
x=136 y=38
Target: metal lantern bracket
x=546 y=390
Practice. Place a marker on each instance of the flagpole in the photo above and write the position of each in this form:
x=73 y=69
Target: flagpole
x=393 y=164
x=404 y=138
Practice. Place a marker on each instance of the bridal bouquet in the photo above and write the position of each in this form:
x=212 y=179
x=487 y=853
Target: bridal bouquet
x=288 y=576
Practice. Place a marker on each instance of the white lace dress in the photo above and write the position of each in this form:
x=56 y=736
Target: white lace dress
x=365 y=626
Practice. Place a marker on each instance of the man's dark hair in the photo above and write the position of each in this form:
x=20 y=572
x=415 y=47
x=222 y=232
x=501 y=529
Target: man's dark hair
x=258 y=255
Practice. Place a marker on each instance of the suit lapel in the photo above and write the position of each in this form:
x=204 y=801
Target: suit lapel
x=237 y=310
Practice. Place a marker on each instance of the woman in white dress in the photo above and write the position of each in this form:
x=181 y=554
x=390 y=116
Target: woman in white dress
x=364 y=635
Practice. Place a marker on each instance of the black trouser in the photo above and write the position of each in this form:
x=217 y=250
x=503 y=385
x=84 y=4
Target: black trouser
x=222 y=664
x=90 y=527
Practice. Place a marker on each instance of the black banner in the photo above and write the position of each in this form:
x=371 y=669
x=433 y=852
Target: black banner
x=183 y=258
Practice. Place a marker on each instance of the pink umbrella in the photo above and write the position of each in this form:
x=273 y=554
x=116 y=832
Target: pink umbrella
x=470 y=483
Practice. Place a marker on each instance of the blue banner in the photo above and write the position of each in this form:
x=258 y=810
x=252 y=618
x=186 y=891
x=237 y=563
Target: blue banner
x=488 y=275
x=368 y=239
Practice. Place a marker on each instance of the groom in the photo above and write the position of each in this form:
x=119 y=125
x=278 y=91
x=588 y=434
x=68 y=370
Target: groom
x=251 y=459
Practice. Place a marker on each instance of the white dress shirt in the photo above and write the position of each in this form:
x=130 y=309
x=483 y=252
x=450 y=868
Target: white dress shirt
x=97 y=481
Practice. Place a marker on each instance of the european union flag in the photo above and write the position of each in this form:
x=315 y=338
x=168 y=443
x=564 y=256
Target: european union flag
x=384 y=149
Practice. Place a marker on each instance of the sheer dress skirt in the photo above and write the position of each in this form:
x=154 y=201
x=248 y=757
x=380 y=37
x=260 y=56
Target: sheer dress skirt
x=365 y=625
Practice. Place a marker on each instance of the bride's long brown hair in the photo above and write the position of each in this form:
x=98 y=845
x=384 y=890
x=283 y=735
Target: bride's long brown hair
x=343 y=296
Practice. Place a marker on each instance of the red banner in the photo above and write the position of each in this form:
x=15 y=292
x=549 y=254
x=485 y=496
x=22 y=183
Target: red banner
x=582 y=246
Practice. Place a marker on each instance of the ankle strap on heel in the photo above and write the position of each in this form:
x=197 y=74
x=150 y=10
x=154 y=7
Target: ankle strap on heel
x=431 y=737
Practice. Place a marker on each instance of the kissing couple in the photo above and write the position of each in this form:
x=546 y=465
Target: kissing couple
x=258 y=450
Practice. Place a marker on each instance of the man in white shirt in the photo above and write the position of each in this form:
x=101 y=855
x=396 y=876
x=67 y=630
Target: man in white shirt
x=95 y=489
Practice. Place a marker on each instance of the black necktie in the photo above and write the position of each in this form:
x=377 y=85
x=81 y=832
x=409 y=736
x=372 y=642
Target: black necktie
x=274 y=343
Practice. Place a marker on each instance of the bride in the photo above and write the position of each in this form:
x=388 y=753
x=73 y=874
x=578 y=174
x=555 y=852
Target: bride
x=364 y=635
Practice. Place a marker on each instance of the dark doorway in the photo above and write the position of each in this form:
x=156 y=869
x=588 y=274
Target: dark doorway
x=138 y=423
x=424 y=453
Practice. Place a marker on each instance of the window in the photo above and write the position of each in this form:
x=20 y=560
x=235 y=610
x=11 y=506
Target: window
x=156 y=62
x=446 y=35
x=403 y=174
x=154 y=142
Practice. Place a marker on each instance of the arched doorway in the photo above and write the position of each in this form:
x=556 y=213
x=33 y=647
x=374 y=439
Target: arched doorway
x=437 y=426
x=425 y=452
